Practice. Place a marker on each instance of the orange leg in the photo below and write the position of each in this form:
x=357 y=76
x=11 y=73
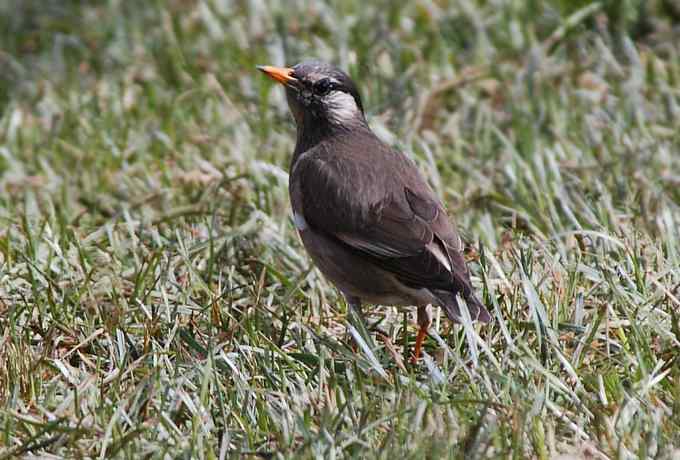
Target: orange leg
x=422 y=333
x=424 y=321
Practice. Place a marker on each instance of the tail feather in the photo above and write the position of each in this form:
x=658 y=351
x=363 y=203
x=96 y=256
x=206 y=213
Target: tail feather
x=449 y=302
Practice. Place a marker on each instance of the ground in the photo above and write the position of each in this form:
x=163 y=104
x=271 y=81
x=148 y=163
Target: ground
x=156 y=302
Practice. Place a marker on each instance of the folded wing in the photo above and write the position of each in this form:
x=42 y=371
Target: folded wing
x=391 y=218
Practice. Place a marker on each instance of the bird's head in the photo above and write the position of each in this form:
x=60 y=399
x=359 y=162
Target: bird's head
x=319 y=94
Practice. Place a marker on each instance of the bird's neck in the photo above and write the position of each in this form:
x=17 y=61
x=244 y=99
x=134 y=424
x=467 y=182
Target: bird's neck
x=311 y=133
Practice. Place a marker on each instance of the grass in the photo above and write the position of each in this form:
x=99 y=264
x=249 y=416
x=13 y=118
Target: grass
x=156 y=302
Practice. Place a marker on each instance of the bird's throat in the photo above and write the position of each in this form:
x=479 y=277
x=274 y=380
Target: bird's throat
x=312 y=131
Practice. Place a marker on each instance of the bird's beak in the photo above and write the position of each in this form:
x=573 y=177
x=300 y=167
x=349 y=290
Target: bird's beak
x=280 y=74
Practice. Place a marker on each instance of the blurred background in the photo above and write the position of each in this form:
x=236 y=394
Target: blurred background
x=155 y=300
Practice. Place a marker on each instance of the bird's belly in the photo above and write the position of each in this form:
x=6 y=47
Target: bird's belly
x=356 y=276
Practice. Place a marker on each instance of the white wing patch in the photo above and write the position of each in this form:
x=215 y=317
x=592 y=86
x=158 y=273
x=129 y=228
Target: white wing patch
x=440 y=255
x=341 y=107
x=299 y=221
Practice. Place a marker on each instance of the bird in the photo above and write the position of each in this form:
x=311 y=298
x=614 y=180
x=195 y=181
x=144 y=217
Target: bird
x=364 y=212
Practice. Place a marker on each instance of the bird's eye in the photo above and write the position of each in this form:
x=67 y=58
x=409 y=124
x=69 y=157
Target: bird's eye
x=323 y=86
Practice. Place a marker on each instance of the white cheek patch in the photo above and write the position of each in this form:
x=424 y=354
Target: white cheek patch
x=299 y=221
x=341 y=106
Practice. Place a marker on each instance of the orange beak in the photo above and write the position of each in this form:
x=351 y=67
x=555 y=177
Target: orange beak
x=280 y=74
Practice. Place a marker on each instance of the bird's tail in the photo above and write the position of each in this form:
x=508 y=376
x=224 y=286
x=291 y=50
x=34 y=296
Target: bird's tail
x=449 y=302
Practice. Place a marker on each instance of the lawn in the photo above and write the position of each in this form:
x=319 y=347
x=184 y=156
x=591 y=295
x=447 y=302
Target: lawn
x=156 y=302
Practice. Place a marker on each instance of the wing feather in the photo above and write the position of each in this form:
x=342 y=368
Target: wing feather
x=387 y=214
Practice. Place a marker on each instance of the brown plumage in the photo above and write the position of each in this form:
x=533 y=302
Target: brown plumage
x=364 y=212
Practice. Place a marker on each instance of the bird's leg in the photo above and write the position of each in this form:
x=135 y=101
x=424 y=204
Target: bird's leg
x=424 y=321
